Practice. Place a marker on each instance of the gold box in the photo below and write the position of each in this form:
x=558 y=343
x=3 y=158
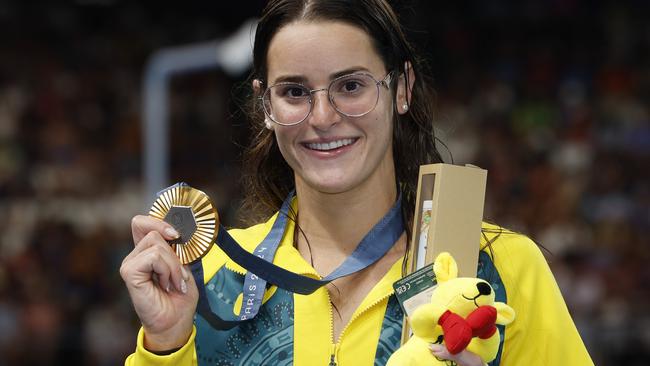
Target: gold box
x=458 y=196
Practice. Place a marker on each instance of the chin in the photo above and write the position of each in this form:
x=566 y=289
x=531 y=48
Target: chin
x=330 y=184
x=330 y=188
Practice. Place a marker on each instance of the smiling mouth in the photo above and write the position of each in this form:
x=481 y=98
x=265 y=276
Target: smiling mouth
x=329 y=146
x=473 y=299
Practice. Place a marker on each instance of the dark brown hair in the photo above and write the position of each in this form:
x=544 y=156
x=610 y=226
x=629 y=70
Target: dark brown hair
x=267 y=177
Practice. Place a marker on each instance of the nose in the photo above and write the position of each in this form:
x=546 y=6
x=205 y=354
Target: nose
x=323 y=115
x=483 y=288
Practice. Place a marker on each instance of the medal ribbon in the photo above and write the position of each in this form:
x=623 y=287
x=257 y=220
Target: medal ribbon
x=261 y=269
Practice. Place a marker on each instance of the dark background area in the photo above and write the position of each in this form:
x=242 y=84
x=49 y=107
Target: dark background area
x=552 y=97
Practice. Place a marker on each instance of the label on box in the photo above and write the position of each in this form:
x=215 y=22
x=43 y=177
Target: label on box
x=415 y=289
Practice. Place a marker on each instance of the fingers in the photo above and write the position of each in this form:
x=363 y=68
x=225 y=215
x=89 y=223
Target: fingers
x=165 y=266
x=153 y=258
x=141 y=225
x=463 y=358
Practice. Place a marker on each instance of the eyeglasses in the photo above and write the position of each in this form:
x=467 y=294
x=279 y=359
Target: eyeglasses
x=352 y=95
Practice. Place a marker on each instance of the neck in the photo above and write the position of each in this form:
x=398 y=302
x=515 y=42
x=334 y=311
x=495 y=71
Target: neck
x=336 y=222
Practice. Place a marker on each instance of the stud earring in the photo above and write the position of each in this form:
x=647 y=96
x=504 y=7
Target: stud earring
x=267 y=124
x=405 y=107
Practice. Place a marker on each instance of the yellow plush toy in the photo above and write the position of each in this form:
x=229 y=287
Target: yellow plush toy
x=462 y=315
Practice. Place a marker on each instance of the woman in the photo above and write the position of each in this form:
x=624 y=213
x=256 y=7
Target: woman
x=343 y=118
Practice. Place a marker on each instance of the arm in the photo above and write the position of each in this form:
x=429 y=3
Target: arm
x=543 y=332
x=184 y=356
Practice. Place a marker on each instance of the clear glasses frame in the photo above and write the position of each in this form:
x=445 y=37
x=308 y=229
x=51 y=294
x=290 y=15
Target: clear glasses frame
x=310 y=94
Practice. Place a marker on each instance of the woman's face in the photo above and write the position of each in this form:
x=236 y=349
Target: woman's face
x=328 y=151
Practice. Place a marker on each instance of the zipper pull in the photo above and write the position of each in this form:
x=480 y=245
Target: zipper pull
x=332 y=361
x=334 y=351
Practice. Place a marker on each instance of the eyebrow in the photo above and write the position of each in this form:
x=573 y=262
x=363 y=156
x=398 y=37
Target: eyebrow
x=301 y=79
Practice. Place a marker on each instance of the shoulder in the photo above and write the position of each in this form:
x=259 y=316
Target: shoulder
x=247 y=238
x=518 y=259
x=523 y=269
x=531 y=290
x=510 y=248
x=251 y=236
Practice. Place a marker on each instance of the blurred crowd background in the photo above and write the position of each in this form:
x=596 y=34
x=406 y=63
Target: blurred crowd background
x=552 y=97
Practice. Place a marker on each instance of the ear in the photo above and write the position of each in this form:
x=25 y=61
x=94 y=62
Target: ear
x=445 y=267
x=405 y=82
x=505 y=314
x=257 y=90
x=257 y=86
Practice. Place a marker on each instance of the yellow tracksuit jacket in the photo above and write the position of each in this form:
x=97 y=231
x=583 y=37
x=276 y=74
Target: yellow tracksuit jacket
x=293 y=329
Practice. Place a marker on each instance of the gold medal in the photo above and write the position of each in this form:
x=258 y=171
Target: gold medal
x=193 y=215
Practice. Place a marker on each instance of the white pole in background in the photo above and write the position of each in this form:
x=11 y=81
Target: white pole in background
x=233 y=54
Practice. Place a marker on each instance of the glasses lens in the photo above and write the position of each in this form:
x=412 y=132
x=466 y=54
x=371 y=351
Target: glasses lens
x=354 y=95
x=287 y=103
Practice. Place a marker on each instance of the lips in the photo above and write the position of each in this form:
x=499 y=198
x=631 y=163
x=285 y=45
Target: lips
x=330 y=145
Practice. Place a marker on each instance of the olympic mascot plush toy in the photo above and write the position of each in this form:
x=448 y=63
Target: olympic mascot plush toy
x=462 y=315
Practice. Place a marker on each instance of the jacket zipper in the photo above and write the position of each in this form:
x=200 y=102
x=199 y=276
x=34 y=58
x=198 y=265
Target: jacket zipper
x=333 y=354
x=334 y=349
x=334 y=346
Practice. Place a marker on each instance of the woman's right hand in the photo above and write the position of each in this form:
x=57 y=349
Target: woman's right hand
x=162 y=290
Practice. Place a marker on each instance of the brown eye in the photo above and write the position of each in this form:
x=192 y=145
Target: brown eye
x=296 y=92
x=293 y=91
x=351 y=86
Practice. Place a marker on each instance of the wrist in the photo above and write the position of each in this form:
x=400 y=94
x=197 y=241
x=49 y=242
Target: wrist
x=165 y=343
x=165 y=353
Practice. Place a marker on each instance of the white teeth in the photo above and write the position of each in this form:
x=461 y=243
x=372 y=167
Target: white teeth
x=331 y=145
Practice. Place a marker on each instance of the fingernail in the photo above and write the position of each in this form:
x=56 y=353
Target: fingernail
x=436 y=347
x=183 y=286
x=171 y=232
x=186 y=276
